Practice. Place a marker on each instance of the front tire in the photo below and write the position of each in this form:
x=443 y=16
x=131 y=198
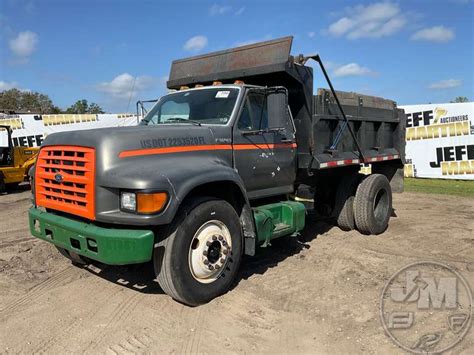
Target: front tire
x=199 y=257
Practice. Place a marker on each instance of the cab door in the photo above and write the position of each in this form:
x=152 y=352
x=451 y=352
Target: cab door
x=264 y=144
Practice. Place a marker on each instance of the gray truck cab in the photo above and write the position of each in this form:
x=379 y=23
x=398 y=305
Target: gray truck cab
x=250 y=122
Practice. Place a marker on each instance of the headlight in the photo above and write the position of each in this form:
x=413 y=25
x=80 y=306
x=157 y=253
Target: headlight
x=128 y=201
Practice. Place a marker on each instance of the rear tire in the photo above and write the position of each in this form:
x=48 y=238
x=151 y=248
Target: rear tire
x=204 y=235
x=3 y=187
x=12 y=186
x=373 y=204
x=344 y=206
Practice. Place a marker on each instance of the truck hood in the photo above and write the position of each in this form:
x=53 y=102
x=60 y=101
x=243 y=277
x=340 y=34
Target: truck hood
x=117 y=149
x=115 y=140
x=171 y=158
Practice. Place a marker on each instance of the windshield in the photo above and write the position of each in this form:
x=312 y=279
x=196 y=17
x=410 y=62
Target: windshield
x=203 y=106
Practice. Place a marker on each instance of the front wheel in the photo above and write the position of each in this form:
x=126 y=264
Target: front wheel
x=199 y=258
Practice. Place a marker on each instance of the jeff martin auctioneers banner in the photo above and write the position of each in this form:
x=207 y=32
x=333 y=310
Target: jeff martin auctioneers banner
x=31 y=130
x=440 y=141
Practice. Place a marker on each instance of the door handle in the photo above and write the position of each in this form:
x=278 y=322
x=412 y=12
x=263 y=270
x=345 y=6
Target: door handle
x=287 y=140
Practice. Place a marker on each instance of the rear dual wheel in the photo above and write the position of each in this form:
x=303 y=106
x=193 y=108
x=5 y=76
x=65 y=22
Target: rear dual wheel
x=364 y=203
x=198 y=258
x=373 y=204
x=344 y=204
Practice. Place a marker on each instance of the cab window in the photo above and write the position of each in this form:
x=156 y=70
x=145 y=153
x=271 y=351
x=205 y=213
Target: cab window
x=254 y=115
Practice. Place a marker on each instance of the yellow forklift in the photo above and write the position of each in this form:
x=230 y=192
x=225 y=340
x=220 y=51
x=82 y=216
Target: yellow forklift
x=15 y=162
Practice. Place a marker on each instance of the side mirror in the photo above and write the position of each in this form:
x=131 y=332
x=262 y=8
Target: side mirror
x=278 y=111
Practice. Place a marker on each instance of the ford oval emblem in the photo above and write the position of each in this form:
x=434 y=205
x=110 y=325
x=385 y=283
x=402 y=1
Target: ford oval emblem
x=58 y=178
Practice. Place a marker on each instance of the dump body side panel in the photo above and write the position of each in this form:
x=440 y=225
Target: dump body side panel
x=377 y=123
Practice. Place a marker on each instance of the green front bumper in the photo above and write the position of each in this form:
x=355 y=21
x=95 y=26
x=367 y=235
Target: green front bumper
x=108 y=245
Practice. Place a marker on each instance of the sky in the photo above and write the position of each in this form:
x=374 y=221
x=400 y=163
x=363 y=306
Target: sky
x=115 y=52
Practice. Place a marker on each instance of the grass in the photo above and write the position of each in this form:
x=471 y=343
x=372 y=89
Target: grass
x=443 y=187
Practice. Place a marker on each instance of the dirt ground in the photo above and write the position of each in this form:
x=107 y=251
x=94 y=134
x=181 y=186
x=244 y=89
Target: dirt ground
x=318 y=294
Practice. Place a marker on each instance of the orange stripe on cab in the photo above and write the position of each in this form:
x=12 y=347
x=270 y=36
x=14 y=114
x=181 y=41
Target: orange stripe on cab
x=168 y=150
x=204 y=147
x=263 y=146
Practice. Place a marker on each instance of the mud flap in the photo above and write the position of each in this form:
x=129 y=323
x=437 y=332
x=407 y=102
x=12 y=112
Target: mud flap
x=250 y=237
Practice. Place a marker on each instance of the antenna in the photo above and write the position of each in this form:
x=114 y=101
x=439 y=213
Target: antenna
x=131 y=94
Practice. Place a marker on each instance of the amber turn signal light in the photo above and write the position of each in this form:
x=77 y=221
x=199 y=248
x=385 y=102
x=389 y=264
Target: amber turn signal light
x=151 y=202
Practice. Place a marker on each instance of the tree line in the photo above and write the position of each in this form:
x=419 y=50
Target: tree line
x=460 y=99
x=14 y=101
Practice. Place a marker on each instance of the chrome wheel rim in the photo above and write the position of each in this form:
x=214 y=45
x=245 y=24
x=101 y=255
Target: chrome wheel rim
x=209 y=251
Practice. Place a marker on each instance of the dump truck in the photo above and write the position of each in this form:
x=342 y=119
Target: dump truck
x=15 y=162
x=215 y=169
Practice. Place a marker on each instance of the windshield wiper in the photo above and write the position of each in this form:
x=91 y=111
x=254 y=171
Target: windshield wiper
x=185 y=120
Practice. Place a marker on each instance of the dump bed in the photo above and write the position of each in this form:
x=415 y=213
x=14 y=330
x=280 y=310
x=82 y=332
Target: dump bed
x=323 y=136
x=378 y=124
